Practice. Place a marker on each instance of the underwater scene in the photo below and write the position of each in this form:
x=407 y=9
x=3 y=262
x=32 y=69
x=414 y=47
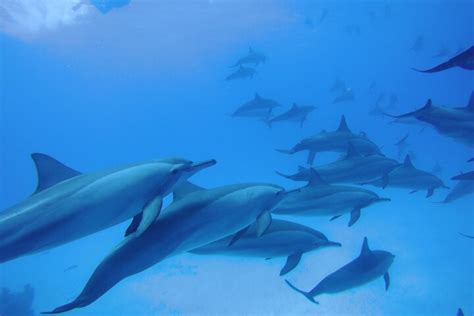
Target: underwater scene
x=236 y=157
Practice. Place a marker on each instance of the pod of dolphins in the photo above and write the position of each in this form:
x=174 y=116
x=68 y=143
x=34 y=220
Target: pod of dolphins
x=235 y=219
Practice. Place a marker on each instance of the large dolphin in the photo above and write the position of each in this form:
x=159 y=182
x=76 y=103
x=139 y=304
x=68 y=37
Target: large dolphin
x=335 y=141
x=297 y=113
x=252 y=57
x=463 y=60
x=319 y=198
x=242 y=73
x=407 y=176
x=353 y=168
x=457 y=123
x=258 y=107
x=281 y=239
x=370 y=265
x=196 y=218
x=460 y=189
x=68 y=205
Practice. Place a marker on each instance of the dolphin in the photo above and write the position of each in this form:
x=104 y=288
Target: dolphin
x=402 y=145
x=252 y=57
x=345 y=96
x=337 y=86
x=196 y=218
x=405 y=175
x=335 y=141
x=368 y=266
x=242 y=73
x=259 y=107
x=353 y=168
x=460 y=312
x=464 y=60
x=469 y=176
x=457 y=123
x=281 y=239
x=68 y=205
x=320 y=198
x=297 y=113
x=419 y=44
x=467 y=236
x=461 y=189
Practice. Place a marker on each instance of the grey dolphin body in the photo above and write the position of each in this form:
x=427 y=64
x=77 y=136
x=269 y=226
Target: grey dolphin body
x=242 y=73
x=334 y=141
x=297 y=113
x=469 y=176
x=353 y=168
x=464 y=60
x=319 y=198
x=196 y=217
x=281 y=239
x=346 y=96
x=68 y=205
x=457 y=123
x=461 y=189
x=258 y=107
x=253 y=57
x=368 y=266
x=406 y=176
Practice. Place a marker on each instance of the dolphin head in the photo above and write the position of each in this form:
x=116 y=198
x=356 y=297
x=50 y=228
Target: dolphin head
x=266 y=197
x=384 y=258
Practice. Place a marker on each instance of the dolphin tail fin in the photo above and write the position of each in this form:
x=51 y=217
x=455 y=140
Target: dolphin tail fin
x=306 y=294
x=64 y=308
x=438 y=68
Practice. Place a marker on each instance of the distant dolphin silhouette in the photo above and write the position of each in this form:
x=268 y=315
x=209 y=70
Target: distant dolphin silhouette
x=464 y=60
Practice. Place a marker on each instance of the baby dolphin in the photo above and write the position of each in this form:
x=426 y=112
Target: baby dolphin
x=242 y=73
x=335 y=141
x=407 y=176
x=68 y=205
x=259 y=107
x=196 y=218
x=370 y=265
x=252 y=57
x=319 y=198
x=281 y=239
x=464 y=60
x=297 y=113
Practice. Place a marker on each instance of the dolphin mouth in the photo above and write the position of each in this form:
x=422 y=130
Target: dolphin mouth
x=196 y=166
x=384 y=199
x=332 y=244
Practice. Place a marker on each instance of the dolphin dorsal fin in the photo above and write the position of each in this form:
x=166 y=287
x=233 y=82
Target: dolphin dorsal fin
x=184 y=189
x=365 y=248
x=314 y=178
x=470 y=104
x=50 y=171
x=407 y=161
x=343 y=125
x=352 y=152
x=428 y=104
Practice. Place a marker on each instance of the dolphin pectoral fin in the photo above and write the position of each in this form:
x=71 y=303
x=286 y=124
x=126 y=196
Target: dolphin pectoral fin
x=311 y=156
x=306 y=294
x=134 y=224
x=385 y=180
x=440 y=67
x=237 y=236
x=430 y=192
x=291 y=263
x=335 y=217
x=386 y=278
x=355 y=215
x=414 y=191
x=263 y=222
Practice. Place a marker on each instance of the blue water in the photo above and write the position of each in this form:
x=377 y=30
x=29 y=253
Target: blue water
x=145 y=80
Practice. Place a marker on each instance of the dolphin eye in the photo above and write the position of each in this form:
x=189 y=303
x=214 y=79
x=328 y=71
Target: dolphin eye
x=175 y=171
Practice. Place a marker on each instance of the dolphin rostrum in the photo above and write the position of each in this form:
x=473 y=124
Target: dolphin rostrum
x=196 y=218
x=464 y=60
x=281 y=239
x=68 y=205
x=242 y=73
x=370 y=265
x=335 y=141
x=297 y=113
x=319 y=198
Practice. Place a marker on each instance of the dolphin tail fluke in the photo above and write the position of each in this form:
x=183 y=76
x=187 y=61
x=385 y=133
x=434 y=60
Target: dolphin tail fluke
x=438 y=68
x=63 y=308
x=306 y=294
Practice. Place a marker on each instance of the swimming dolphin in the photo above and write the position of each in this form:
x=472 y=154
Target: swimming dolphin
x=346 y=96
x=464 y=60
x=242 y=73
x=402 y=145
x=457 y=123
x=259 y=107
x=297 y=113
x=469 y=176
x=281 y=239
x=338 y=85
x=68 y=205
x=407 y=176
x=252 y=57
x=353 y=168
x=370 y=265
x=196 y=218
x=319 y=198
x=335 y=141
x=461 y=189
